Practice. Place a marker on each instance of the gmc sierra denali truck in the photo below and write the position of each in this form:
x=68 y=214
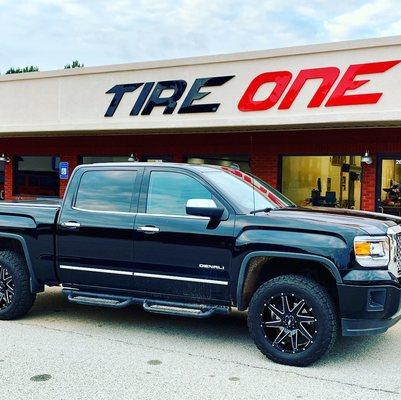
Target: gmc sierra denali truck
x=199 y=240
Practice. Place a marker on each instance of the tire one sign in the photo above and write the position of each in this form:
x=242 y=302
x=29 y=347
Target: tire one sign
x=285 y=89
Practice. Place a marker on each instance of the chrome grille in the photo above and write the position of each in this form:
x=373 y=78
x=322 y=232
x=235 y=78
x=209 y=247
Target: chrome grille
x=398 y=253
x=394 y=266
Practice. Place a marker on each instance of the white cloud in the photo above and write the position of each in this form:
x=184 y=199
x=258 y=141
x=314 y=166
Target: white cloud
x=372 y=17
x=51 y=33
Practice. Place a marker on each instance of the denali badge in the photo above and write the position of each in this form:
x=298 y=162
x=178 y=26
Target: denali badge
x=209 y=266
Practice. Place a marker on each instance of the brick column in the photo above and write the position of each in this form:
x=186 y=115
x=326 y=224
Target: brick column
x=368 y=186
x=72 y=163
x=265 y=166
x=178 y=158
x=9 y=179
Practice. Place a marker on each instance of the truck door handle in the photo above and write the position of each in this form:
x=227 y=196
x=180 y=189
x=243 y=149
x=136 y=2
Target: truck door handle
x=148 y=229
x=70 y=225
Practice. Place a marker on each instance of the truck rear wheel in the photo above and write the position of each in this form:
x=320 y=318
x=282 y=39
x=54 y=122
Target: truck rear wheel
x=16 y=298
x=292 y=320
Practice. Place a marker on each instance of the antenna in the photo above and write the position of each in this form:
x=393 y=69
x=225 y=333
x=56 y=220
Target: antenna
x=253 y=180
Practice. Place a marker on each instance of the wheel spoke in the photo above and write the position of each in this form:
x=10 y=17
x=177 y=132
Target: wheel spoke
x=10 y=289
x=281 y=336
x=2 y=273
x=304 y=332
x=274 y=324
x=298 y=307
x=8 y=300
x=286 y=306
x=306 y=318
x=294 y=340
x=275 y=310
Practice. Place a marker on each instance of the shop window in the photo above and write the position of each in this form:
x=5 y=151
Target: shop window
x=102 y=159
x=390 y=190
x=37 y=176
x=157 y=158
x=241 y=162
x=328 y=181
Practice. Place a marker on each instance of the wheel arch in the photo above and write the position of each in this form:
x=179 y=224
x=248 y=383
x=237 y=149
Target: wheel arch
x=262 y=257
x=14 y=238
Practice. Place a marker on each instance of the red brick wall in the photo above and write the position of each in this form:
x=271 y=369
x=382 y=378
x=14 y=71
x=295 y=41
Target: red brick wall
x=265 y=149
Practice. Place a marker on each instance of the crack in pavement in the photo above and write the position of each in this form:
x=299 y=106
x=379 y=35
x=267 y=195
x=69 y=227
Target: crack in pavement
x=274 y=370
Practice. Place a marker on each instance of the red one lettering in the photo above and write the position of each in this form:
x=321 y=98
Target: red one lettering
x=328 y=76
x=281 y=80
x=348 y=82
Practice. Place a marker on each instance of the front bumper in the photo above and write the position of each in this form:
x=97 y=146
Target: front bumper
x=368 y=309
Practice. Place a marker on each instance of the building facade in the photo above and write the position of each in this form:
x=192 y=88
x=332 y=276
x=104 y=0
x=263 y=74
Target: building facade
x=300 y=118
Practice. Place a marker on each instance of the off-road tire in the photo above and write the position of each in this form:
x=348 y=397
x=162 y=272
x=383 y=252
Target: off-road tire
x=324 y=310
x=22 y=300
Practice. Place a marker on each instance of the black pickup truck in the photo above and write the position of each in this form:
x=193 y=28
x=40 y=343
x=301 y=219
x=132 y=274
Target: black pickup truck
x=198 y=240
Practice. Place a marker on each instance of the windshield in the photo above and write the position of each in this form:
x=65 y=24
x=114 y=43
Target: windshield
x=250 y=192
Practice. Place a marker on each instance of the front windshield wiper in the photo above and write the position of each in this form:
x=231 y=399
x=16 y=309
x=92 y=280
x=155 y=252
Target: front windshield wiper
x=266 y=210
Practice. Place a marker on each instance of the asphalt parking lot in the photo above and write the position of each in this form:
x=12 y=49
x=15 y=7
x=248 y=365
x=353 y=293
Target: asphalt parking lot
x=66 y=351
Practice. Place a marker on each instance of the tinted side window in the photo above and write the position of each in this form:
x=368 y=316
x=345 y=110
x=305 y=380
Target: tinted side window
x=169 y=192
x=106 y=190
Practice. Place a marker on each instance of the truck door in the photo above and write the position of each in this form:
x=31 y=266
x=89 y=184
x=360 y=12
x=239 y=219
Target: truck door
x=177 y=254
x=95 y=228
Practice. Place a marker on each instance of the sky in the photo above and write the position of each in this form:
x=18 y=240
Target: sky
x=52 y=33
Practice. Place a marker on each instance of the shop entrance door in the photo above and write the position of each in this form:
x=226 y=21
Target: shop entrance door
x=388 y=196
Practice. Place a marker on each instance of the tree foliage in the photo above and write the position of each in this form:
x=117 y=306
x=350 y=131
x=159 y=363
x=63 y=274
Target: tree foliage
x=18 y=70
x=33 y=68
x=75 y=64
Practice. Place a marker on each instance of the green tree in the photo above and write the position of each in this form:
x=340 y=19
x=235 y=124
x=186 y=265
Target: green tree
x=75 y=64
x=18 y=70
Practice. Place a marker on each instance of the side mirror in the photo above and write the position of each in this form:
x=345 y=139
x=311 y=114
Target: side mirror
x=204 y=208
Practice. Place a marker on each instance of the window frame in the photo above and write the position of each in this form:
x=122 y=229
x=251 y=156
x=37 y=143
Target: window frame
x=145 y=189
x=135 y=190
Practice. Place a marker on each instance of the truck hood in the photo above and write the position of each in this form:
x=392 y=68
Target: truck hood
x=369 y=222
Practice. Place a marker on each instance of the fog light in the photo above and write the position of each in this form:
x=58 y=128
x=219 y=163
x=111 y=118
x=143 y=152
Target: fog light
x=376 y=299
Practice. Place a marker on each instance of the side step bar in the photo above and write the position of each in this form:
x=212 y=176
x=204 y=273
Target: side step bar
x=183 y=309
x=153 y=306
x=97 y=299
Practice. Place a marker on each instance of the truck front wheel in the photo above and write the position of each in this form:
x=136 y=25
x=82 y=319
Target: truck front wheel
x=292 y=320
x=16 y=298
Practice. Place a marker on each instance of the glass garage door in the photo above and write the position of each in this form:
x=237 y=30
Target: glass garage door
x=389 y=185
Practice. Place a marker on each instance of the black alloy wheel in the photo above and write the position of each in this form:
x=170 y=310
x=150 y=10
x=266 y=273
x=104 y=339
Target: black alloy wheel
x=6 y=287
x=289 y=323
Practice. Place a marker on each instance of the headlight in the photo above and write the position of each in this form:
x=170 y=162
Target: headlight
x=372 y=251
